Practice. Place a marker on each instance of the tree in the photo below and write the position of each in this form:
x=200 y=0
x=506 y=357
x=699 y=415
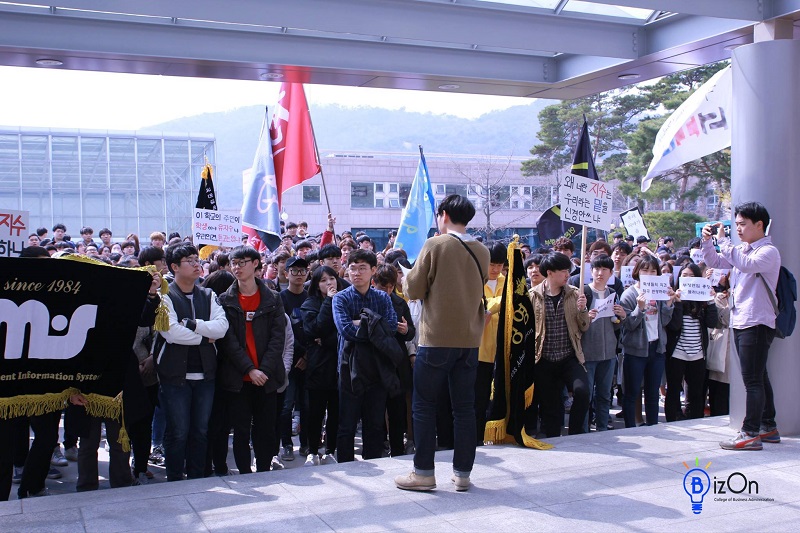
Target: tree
x=486 y=178
x=624 y=124
x=687 y=182
x=679 y=226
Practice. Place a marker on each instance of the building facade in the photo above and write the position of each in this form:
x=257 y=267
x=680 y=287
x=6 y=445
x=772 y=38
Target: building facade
x=129 y=182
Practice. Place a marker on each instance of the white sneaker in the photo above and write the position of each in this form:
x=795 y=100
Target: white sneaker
x=58 y=459
x=312 y=460
x=327 y=459
x=276 y=464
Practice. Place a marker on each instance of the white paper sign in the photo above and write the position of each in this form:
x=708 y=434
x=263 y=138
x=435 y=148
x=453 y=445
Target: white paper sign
x=626 y=276
x=605 y=306
x=654 y=287
x=14 y=230
x=695 y=289
x=716 y=275
x=634 y=223
x=696 y=254
x=585 y=201
x=219 y=228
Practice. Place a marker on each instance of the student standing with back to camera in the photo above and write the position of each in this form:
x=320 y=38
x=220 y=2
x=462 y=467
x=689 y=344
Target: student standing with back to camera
x=752 y=315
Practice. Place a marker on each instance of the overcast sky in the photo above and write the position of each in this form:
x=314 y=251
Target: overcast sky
x=98 y=100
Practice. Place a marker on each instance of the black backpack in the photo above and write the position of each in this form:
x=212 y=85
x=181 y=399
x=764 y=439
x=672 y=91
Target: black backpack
x=785 y=312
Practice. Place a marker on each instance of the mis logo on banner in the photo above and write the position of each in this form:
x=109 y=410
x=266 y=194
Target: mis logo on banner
x=696 y=483
x=43 y=345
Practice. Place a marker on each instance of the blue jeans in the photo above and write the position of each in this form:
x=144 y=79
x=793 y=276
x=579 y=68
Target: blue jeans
x=187 y=409
x=437 y=369
x=600 y=375
x=752 y=345
x=651 y=369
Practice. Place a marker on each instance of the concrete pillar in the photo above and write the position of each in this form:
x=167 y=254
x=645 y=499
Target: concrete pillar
x=765 y=152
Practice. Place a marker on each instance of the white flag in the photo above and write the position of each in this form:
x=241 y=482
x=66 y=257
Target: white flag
x=700 y=126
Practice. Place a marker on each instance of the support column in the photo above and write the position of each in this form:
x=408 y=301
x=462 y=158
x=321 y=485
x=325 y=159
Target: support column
x=765 y=163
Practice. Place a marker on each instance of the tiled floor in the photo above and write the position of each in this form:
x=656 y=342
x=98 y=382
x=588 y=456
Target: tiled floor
x=622 y=480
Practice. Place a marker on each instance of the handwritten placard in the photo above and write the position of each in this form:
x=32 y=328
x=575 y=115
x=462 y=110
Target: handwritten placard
x=626 y=276
x=695 y=289
x=605 y=306
x=696 y=254
x=585 y=201
x=634 y=223
x=654 y=287
x=14 y=228
x=220 y=228
x=716 y=275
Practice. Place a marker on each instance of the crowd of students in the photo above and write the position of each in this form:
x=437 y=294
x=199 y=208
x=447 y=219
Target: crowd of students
x=320 y=328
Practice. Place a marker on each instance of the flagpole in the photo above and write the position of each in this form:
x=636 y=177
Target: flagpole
x=584 y=237
x=321 y=172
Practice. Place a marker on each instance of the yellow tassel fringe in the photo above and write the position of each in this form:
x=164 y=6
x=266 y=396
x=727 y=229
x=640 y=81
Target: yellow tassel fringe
x=529 y=396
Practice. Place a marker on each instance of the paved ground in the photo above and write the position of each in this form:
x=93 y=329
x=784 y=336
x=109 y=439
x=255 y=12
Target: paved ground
x=623 y=480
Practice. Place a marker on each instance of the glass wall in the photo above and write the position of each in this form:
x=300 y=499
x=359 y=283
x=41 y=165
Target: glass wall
x=128 y=182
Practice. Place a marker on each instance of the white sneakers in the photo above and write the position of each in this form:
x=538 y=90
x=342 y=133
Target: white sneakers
x=312 y=460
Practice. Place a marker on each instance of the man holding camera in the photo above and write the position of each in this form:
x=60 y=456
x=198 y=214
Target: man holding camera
x=752 y=315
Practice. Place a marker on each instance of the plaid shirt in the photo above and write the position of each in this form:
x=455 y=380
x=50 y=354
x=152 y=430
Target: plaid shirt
x=557 y=345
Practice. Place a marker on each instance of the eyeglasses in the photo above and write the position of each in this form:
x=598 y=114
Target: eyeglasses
x=193 y=262
x=363 y=269
x=298 y=271
x=240 y=264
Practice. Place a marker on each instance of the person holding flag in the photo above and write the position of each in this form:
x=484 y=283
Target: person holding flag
x=417 y=215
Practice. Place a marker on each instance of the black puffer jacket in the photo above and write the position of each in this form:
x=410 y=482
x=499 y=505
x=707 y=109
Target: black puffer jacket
x=323 y=357
x=269 y=330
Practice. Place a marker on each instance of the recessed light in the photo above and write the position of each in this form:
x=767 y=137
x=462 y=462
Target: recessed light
x=449 y=86
x=630 y=76
x=49 y=62
x=271 y=75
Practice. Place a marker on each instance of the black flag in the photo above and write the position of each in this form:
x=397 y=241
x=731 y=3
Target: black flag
x=206 y=198
x=512 y=388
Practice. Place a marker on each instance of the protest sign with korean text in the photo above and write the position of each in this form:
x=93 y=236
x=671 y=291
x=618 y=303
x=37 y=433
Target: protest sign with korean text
x=696 y=254
x=626 y=276
x=14 y=229
x=605 y=306
x=695 y=289
x=716 y=275
x=654 y=287
x=219 y=228
x=634 y=223
x=585 y=201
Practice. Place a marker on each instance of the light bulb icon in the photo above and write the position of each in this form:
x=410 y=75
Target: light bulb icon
x=696 y=483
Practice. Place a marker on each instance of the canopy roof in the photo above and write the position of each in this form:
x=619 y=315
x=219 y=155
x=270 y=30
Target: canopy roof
x=532 y=48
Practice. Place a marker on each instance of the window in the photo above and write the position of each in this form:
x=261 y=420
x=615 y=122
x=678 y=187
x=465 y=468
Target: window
x=514 y=204
x=514 y=190
x=473 y=190
x=526 y=190
x=378 y=202
x=405 y=190
x=379 y=187
x=392 y=188
x=362 y=195
x=454 y=189
x=394 y=202
x=440 y=188
x=499 y=197
x=311 y=194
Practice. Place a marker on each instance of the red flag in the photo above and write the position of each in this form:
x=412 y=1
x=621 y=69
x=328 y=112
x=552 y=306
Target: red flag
x=293 y=147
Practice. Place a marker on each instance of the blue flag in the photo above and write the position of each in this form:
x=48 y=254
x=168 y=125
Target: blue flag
x=260 y=211
x=418 y=213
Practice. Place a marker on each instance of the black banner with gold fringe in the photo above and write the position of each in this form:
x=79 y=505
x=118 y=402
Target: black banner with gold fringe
x=510 y=414
x=66 y=325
